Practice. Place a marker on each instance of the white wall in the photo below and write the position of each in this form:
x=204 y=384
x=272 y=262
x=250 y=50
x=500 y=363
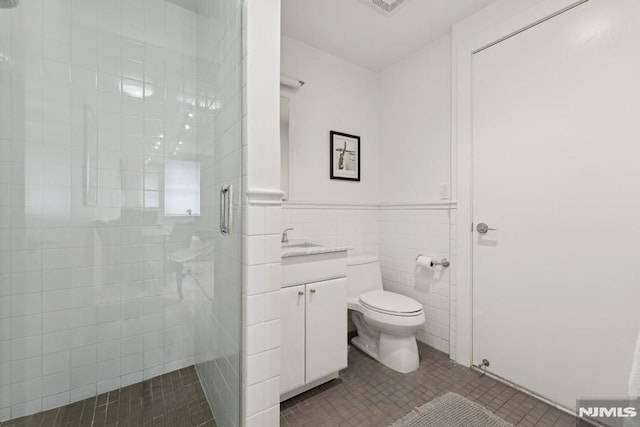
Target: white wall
x=416 y=125
x=329 y=224
x=261 y=215
x=405 y=233
x=337 y=96
x=396 y=211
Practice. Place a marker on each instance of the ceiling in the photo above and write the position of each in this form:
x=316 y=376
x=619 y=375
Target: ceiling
x=360 y=33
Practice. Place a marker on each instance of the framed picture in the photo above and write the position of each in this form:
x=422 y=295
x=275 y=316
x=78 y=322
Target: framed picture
x=345 y=156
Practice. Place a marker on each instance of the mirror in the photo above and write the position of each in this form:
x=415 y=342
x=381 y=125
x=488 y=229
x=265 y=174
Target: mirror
x=284 y=146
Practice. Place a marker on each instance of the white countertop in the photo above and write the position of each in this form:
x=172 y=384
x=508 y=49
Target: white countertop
x=301 y=248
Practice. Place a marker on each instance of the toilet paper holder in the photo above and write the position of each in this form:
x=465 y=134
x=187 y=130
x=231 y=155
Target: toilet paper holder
x=443 y=262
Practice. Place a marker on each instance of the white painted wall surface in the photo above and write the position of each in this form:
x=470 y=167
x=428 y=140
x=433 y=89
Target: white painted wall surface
x=416 y=143
x=416 y=125
x=337 y=96
x=407 y=110
x=262 y=94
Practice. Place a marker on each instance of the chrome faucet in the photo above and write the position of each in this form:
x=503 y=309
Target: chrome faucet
x=285 y=238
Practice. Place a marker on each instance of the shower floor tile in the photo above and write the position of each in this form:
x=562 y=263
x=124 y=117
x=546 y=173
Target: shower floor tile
x=369 y=394
x=175 y=399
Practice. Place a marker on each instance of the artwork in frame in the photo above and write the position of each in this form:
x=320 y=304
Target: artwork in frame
x=345 y=156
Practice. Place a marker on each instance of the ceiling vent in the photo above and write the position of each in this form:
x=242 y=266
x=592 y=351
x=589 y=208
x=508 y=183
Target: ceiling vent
x=387 y=7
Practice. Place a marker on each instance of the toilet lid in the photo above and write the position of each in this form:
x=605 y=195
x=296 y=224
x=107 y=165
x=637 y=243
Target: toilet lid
x=390 y=302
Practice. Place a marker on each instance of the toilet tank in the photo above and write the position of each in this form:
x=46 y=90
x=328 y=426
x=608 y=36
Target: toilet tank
x=363 y=274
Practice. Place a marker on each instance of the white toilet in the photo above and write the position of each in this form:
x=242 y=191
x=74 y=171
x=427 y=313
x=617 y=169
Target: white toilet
x=386 y=321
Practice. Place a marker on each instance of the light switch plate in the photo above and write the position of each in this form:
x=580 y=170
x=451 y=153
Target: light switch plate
x=444 y=192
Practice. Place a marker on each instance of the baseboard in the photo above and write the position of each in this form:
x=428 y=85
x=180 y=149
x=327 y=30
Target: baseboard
x=424 y=338
x=307 y=387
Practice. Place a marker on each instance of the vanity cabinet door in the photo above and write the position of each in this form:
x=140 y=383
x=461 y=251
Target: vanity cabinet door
x=292 y=319
x=326 y=328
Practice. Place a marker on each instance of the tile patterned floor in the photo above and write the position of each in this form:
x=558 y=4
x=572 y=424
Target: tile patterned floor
x=369 y=394
x=366 y=394
x=171 y=400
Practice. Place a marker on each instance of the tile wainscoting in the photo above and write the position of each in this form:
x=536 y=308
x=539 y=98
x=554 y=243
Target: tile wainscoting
x=397 y=233
x=354 y=225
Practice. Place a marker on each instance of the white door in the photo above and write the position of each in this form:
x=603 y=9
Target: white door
x=292 y=346
x=326 y=328
x=556 y=171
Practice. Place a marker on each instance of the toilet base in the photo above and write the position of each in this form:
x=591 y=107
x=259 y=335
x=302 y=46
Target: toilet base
x=397 y=353
x=369 y=349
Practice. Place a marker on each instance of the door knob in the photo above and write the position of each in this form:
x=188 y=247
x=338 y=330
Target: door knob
x=313 y=291
x=300 y=293
x=483 y=228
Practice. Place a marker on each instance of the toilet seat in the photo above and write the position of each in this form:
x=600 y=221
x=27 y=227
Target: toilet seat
x=390 y=303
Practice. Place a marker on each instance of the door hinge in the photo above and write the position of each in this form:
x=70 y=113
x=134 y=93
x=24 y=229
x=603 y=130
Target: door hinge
x=472 y=227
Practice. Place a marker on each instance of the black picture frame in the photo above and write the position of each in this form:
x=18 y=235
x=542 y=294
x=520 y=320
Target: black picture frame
x=344 y=156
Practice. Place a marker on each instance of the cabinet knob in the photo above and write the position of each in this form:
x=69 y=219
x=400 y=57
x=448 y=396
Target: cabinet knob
x=300 y=293
x=313 y=291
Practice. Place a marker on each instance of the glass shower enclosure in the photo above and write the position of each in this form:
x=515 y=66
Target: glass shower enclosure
x=120 y=175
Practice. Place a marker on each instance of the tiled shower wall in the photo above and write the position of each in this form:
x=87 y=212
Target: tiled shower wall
x=397 y=234
x=94 y=97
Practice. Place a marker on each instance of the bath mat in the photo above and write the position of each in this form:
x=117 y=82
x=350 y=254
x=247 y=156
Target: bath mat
x=451 y=410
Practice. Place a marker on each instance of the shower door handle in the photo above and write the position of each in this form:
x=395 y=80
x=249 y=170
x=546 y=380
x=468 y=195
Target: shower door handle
x=226 y=209
x=229 y=215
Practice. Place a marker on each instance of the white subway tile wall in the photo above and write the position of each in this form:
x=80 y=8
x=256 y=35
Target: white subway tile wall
x=452 y=278
x=261 y=210
x=332 y=225
x=261 y=282
x=405 y=233
x=397 y=236
x=94 y=96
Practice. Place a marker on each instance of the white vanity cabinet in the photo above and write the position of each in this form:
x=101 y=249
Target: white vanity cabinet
x=326 y=324
x=313 y=323
x=293 y=302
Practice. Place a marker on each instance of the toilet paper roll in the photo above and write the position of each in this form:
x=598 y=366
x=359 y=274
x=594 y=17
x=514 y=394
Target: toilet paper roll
x=424 y=261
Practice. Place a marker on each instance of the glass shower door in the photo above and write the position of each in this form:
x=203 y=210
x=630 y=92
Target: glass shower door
x=119 y=125
x=218 y=300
